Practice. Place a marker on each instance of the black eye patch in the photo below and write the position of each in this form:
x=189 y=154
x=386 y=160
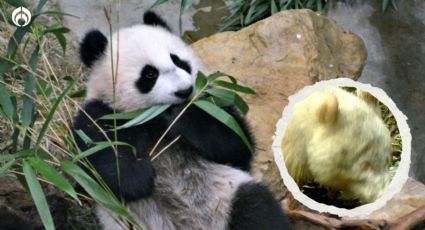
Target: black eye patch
x=180 y=63
x=147 y=78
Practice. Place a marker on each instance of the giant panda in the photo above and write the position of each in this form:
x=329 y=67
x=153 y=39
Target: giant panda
x=199 y=182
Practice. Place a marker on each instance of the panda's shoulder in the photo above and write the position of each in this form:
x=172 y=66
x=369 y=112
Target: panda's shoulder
x=91 y=111
x=95 y=109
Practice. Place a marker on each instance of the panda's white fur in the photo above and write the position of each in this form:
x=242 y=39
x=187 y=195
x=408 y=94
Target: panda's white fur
x=339 y=140
x=134 y=52
x=150 y=214
x=199 y=182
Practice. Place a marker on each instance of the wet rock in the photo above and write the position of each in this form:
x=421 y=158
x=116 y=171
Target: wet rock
x=277 y=57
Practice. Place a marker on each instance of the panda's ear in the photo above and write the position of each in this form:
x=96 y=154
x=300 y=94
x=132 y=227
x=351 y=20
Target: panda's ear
x=92 y=47
x=370 y=100
x=152 y=19
x=327 y=109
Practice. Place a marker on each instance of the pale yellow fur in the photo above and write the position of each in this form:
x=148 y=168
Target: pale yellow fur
x=339 y=140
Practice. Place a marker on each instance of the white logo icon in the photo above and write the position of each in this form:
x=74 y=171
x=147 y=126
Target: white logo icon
x=21 y=16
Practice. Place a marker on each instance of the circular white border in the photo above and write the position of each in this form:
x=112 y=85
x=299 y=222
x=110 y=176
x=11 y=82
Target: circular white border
x=400 y=176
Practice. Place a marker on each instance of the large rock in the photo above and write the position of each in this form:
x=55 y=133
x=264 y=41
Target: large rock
x=277 y=57
x=410 y=198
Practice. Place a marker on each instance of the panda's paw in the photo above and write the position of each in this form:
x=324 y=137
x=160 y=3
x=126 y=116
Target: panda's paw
x=140 y=182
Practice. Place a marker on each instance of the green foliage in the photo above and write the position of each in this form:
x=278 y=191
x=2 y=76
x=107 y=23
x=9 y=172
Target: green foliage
x=245 y=12
x=94 y=189
x=30 y=93
x=219 y=93
x=38 y=196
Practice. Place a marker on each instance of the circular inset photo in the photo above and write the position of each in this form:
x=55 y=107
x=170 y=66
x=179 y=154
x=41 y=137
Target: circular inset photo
x=342 y=147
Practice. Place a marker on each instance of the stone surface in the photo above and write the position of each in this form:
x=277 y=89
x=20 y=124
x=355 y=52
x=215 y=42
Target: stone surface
x=410 y=198
x=277 y=57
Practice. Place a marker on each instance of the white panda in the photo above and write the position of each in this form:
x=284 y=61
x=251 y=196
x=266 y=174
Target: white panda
x=202 y=180
x=345 y=133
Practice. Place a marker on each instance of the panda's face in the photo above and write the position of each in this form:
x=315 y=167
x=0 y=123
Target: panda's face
x=152 y=66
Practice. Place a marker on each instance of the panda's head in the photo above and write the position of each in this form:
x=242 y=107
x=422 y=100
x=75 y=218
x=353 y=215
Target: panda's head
x=152 y=66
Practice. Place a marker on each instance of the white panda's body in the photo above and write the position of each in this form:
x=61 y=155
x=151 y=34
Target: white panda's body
x=200 y=181
x=338 y=139
x=183 y=198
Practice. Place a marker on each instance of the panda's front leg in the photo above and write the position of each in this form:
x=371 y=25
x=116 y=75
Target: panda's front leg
x=129 y=177
x=254 y=208
x=214 y=140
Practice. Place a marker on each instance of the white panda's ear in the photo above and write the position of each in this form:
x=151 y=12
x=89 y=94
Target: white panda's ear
x=92 y=47
x=370 y=100
x=152 y=19
x=327 y=109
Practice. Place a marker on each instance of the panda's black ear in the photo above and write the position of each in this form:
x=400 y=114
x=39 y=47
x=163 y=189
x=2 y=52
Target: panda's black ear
x=92 y=47
x=151 y=18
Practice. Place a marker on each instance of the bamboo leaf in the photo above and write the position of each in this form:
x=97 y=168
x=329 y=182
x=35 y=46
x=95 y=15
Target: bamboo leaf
x=217 y=75
x=38 y=196
x=78 y=93
x=59 y=13
x=157 y=3
x=241 y=104
x=184 y=5
x=56 y=29
x=145 y=116
x=319 y=5
x=40 y=6
x=394 y=4
x=248 y=17
x=87 y=140
x=6 y=101
x=123 y=116
x=218 y=102
x=5 y=168
x=94 y=189
x=31 y=153
x=234 y=87
x=52 y=111
x=6 y=64
x=15 y=3
x=225 y=96
x=100 y=146
x=6 y=157
x=15 y=40
x=61 y=39
x=224 y=118
x=273 y=7
x=51 y=175
x=28 y=103
x=200 y=82
x=229 y=98
x=385 y=4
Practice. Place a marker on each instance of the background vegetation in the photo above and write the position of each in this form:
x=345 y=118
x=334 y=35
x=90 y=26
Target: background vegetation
x=245 y=12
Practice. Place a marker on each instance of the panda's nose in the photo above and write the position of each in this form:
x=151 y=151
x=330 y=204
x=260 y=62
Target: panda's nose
x=185 y=93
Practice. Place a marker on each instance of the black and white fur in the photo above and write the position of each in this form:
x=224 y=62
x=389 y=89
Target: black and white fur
x=202 y=180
